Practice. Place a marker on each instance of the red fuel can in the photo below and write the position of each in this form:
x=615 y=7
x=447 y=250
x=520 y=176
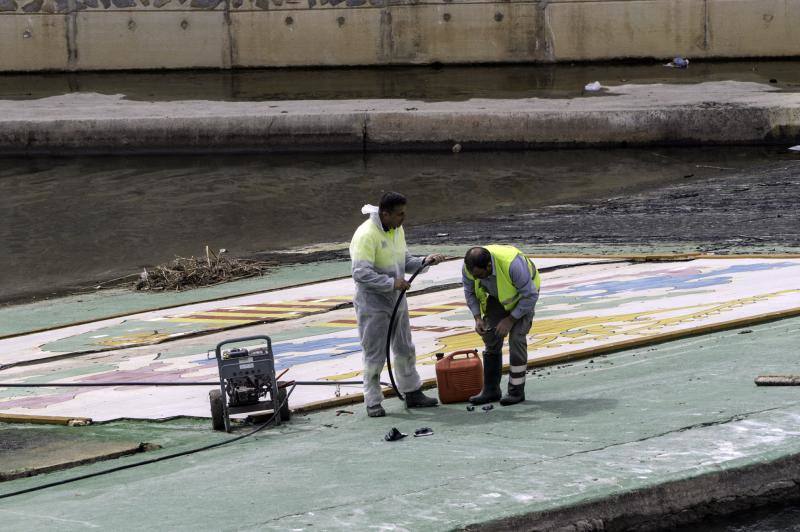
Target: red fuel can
x=459 y=375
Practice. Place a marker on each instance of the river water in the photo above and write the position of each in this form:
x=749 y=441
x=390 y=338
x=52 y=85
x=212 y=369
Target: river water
x=779 y=518
x=75 y=221
x=453 y=83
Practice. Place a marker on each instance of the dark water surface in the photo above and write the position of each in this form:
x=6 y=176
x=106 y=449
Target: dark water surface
x=425 y=83
x=79 y=220
x=767 y=519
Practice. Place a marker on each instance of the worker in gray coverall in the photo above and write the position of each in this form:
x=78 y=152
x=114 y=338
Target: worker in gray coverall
x=380 y=261
x=501 y=286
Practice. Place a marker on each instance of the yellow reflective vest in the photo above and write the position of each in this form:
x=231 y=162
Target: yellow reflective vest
x=507 y=294
x=383 y=251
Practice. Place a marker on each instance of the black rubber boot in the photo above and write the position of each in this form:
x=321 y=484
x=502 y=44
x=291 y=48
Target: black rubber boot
x=417 y=399
x=516 y=394
x=492 y=366
x=376 y=411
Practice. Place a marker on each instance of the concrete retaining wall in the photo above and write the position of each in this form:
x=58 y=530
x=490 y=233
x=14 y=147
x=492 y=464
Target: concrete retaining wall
x=137 y=34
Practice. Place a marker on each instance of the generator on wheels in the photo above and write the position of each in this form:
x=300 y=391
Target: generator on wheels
x=247 y=382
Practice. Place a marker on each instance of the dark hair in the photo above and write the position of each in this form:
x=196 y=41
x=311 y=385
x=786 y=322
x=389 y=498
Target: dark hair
x=477 y=257
x=390 y=200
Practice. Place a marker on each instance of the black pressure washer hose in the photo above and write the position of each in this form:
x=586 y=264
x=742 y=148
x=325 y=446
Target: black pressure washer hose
x=158 y=383
x=390 y=332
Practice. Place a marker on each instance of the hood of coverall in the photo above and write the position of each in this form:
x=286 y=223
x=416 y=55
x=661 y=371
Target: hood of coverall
x=374 y=215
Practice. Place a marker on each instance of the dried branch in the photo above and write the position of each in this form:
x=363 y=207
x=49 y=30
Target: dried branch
x=185 y=273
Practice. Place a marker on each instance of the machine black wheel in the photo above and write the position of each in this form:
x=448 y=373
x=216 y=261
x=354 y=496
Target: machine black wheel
x=286 y=413
x=217 y=410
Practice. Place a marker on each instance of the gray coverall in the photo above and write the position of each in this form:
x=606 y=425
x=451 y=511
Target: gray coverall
x=374 y=300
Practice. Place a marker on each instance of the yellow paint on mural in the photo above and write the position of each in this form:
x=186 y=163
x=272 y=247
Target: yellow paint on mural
x=251 y=315
x=552 y=333
x=343 y=376
x=342 y=324
x=574 y=331
x=275 y=310
x=136 y=338
x=212 y=320
x=270 y=308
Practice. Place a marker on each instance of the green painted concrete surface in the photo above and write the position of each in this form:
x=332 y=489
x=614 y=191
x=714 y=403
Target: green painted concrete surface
x=61 y=311
x=590 y=430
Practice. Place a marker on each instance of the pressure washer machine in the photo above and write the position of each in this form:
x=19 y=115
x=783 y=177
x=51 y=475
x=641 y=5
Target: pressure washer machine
x=247 y=382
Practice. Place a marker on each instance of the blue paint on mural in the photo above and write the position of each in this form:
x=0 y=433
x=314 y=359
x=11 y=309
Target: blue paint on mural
x=290 y=354
x=293 y=353
x=677 y=280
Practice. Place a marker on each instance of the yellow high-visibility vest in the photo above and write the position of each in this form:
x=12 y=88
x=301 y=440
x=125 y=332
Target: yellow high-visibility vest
x=507 y=293
x=386 y=250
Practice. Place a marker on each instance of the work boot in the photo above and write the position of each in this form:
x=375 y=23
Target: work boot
x=417 y=399
x=492 y=365
x=376 y=411
x=516 y=394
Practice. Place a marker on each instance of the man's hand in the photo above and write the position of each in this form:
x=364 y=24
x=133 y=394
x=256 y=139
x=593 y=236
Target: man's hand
x=401 y=284
x=433 y=259
x=504 y=326
x=480 y=326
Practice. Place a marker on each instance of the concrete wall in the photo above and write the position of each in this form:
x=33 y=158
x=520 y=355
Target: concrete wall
x=134 y=34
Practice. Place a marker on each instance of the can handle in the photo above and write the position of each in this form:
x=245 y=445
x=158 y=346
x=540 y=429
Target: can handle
x=473 y=352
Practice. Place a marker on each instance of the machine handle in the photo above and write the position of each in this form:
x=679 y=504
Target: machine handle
x=244 y=339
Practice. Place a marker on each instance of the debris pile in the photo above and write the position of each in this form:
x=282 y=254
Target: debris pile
x=185 y=273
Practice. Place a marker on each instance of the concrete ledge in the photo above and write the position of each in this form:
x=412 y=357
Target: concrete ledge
x=169 y=133
x=706 y=113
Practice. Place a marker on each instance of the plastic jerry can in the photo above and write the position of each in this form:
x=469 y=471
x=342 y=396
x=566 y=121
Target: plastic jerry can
x=459 y=375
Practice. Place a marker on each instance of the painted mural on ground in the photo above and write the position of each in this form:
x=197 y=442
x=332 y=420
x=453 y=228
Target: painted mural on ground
x=160 y=326
x=581 y=307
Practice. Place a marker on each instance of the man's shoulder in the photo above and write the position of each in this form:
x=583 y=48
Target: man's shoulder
x=366 y=230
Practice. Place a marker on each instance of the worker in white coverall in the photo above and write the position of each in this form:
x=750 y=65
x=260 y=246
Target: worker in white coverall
x=380 y=261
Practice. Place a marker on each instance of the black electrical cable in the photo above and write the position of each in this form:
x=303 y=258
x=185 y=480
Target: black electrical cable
x=153 y=460
x=390 y=332
x=160 y=383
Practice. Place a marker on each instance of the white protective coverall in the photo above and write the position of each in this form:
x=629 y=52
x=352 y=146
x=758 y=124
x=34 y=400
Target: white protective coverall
x=378 y=258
